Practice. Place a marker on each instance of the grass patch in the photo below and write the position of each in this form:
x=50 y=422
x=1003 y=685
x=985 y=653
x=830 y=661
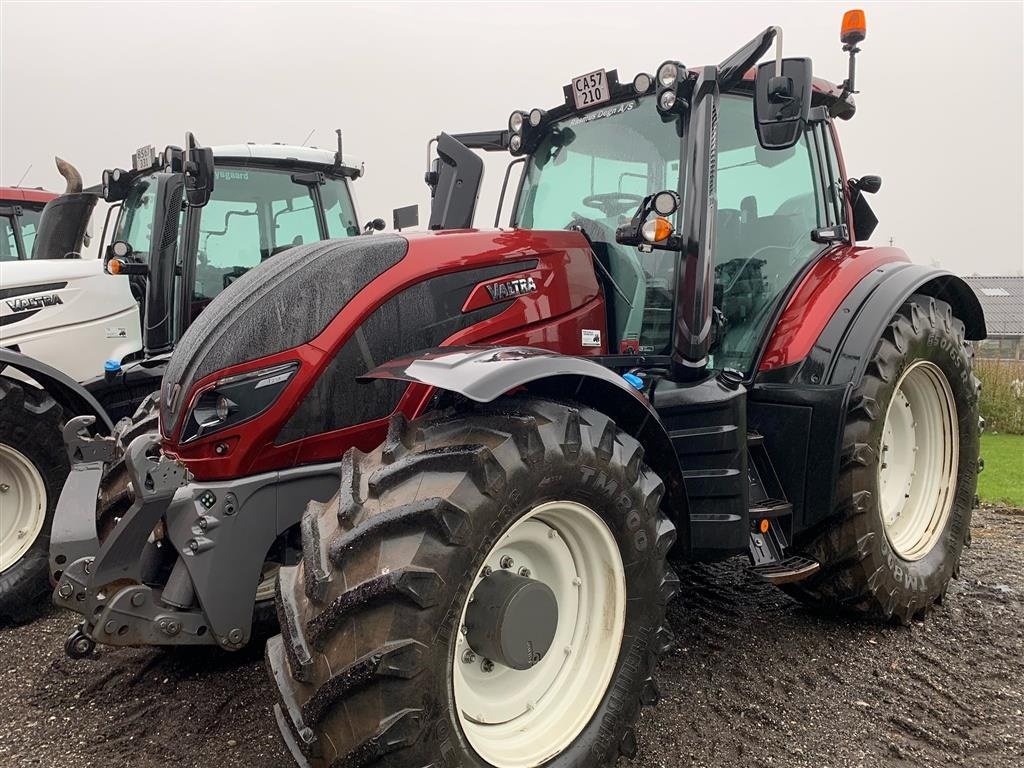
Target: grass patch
x=1002 y=482
x=1002 y=394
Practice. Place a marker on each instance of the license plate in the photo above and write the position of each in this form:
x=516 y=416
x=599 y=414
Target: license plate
x=590 y=89
x=144 y=158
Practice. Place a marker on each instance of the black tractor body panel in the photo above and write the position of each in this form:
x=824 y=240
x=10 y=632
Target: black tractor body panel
x=281 y=304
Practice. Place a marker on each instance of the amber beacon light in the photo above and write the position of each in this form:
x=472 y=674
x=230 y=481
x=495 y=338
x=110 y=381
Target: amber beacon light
x=855 y=27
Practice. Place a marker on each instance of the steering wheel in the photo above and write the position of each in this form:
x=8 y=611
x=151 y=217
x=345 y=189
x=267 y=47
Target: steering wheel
x=613 y=203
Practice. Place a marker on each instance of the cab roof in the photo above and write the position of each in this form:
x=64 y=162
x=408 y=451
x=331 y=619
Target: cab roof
x=26 y=195
x=284 y=153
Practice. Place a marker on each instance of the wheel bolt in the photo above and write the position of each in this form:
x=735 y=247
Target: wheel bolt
x=468 y=657
x=507 y=562
x=65 y=591
x=487 y=571
x=487 y=665
x=524 y=572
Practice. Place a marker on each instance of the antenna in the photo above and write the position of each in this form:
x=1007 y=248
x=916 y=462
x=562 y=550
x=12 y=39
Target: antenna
x=308 y=137
x=24 y=175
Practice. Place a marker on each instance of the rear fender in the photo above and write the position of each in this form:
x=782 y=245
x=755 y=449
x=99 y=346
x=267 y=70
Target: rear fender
x=72 y=396
x=484 y=374
x=877 y=309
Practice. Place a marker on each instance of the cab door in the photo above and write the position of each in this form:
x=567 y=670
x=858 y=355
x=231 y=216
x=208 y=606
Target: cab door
x=772 y=207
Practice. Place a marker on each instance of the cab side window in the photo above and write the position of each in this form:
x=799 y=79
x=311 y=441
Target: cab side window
x=8 y=243
x=769 y=203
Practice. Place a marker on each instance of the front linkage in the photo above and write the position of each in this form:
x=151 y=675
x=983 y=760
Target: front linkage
x=182 y=565
x=104 y=582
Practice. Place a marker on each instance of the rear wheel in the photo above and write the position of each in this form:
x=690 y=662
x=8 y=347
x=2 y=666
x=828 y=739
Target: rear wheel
x=33 y=467
x=488 y=587
x=908 y=472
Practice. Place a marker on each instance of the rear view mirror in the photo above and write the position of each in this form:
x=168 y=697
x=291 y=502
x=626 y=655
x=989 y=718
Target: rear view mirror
x=782 y=102
x=198 y=167
x=867 y=184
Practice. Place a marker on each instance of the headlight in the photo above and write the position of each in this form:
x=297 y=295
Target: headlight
x=235 y=399
x=642 y=83
x=667 y=100
x=515 y=122
x=516 y=142
x=668 y=73
x=536 y=115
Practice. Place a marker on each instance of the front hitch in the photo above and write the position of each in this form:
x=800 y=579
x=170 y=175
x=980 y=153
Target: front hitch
x=103 y=582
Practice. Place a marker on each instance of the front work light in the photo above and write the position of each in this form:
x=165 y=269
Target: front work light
x=515 y=122
x=641 y=83
x=235 y=399
x=667 y=100
x=536 y=116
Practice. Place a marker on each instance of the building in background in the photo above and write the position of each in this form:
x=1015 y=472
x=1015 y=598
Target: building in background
x=1002 y=299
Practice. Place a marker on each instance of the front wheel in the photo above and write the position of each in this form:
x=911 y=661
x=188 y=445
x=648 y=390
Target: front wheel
x=908 y=473
x=33 y=467
x=488 y=586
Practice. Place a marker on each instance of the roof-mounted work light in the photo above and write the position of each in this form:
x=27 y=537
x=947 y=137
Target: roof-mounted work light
x=668 y=79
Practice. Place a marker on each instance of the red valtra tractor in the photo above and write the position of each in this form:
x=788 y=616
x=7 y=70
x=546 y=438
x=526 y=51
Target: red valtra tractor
x=470 y=452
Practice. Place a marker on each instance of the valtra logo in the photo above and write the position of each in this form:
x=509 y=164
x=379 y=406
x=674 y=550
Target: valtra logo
x=33 y=302
x=511 y=288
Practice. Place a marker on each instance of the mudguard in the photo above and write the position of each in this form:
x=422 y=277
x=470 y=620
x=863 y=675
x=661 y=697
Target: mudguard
x=484 y=374
x=876 y=313
x=72 y=396
x=844 y=347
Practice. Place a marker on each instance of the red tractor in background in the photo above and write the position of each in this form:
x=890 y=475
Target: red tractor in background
x=20 y=211
x=677 y=345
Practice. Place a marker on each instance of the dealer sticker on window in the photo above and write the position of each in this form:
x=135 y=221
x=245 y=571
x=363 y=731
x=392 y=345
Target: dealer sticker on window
x=591 y=338
x=590 y=89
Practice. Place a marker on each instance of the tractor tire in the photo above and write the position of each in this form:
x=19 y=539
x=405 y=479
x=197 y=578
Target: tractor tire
x=33 y=467
x=908 y=473
x=386 y=622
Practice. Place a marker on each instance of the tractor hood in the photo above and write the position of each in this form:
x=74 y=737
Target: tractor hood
x=282 y=304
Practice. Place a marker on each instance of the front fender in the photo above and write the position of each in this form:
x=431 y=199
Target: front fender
x=484 y=374
x=72 y=396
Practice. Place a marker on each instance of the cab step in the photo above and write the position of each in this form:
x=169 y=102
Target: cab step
x=795 y=568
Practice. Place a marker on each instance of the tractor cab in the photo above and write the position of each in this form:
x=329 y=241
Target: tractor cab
x=259 y=200
x=727 y=253
x=20 y=210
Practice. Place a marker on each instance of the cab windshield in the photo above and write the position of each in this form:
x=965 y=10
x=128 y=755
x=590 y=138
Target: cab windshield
x=592 y=172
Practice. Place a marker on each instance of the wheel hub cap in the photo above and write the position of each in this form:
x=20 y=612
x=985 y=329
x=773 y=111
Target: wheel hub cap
x=512 y=620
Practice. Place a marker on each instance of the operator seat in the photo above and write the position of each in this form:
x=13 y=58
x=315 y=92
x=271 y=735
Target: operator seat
x=623 y=264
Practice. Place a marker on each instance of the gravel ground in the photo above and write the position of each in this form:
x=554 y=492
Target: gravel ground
x=755 y=680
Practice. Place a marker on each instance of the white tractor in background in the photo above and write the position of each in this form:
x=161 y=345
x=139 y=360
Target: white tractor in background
x=92 y=336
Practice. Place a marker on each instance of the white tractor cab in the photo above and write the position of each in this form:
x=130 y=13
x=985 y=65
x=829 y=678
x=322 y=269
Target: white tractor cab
x=91 y=336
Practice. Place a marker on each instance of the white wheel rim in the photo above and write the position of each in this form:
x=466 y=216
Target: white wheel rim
x=22 y=505
x=918 y=461
x=521 y=719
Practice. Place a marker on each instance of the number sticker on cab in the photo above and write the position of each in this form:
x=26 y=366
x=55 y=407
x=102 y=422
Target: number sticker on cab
x=590 y=89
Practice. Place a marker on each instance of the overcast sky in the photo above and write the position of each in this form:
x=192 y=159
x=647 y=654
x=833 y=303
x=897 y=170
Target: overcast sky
x=939 y=113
